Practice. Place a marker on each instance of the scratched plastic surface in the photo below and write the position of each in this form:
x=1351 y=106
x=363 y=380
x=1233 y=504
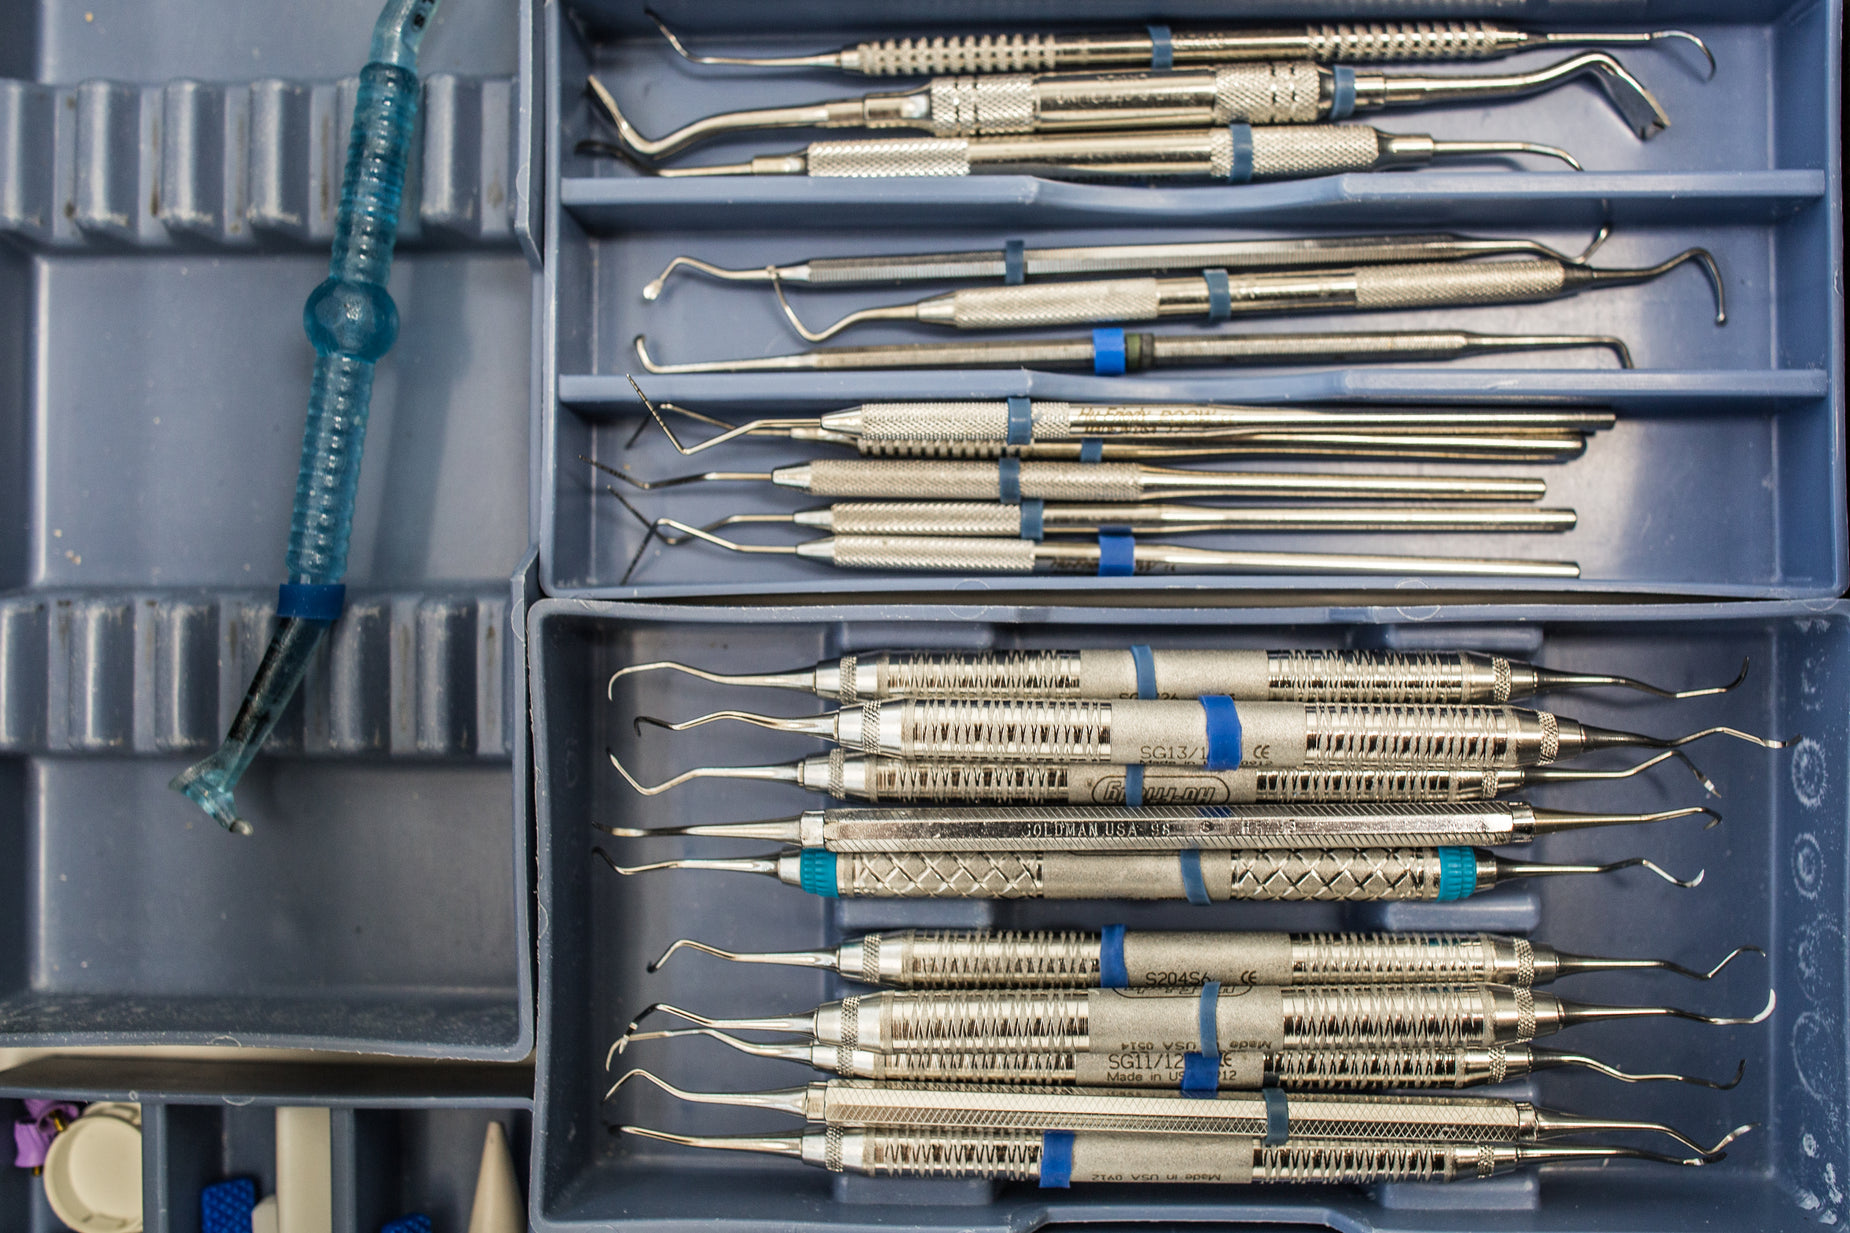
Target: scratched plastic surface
x=1747 y=168
x=1775 y=877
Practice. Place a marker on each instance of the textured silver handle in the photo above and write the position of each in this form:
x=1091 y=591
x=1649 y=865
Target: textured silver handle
x=1000 y=674
x=934 y=480
x=1405 y=959
x=1477 y=737
x=889 y=156
x=948 y=959
x=965 y=106
x=934 y=553
x=977 y=1021
x=1374 y=676
x=1040 y=304
x=927 y=518
x=1355 y=1017
x=1346 y=874
x=1001 y=1156
x=948 y=729
x=1294 y=152
x=1438 y=284
x=1378 y=41
x=940 y=875
x=1361 y=1163
x=1272 y=92
x=1242 y=1070
x=952 y=422
x=1373 y=1069
x=971 y=53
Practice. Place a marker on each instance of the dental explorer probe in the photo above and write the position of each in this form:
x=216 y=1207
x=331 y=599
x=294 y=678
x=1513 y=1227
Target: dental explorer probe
x=1147 y=958
x=859 y=1103
x=1011 y=481
x=1110 y=351
x=1328 y=875
x=1216 y=295
x=1057 y=1158
x=1161 y=828
x=1231 y=154
x=1451 y=677
x=1158 y=47
x=1239 y=1070
x=995 y=427
x=1115 y=555
x=1264 y=1017
x=898 y=781
x=1017 y=261
x=1211 y=731
x=1268 y=92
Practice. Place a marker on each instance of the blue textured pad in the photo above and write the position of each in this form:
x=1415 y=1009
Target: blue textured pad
x=225 y=1207
x=416 y=1222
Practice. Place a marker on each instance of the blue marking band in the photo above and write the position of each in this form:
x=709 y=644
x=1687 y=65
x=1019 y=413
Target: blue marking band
x=1192 y=883
x=816 y=872
x=1162 y=49
x=1021 y=421
x=1201 y=1068
x=1014 y=262
x=1277 y=1116
x=1133 y=786
x=311 y=601
x=1111 y=973
x=1031 y=518
x=1092 y=450
x=1008 y=481
x=1145 y=663
x=1457 y=874
x=1242 y=169
x=1342 y=97
x=1056 y=1159
x=1117 y=554
x=1220 y=297
x=1108 y=352
x=1223 y=732
x=1205 y=1025
x=1201 y=1075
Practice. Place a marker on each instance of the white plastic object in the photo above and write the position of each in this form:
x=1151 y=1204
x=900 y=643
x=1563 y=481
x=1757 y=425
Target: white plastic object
x=497 y=1207
x=304 y=1171
x=93 y=1170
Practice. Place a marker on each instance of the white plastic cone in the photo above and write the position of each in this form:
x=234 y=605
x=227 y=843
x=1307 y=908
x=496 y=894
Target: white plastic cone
x=498 y=1208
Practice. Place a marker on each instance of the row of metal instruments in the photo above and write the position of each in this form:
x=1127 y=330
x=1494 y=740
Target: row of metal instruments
x=1120 y=1054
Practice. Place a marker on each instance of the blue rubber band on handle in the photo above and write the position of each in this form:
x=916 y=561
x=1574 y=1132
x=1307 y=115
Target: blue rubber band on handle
x=1117 y=554
x=817 y=874
x=1162 y=49
x=1201 y=1075
x=1242 y=168
x=1342 y=95
x=1223 y=723
x=1457 y=874
x=1014 y=257
x=1033 y=513
x=1056 y=1159
x=1220 y=296
x=1144 y=661
x=1207 y=1028
x=1133 y=786
x=1092 y=450
x=1021 y=421
x=311 y=601
x=1008 y=481
x=1277 y=1116
x=1108 y=352
x=1193 y=885
x=1111 y=973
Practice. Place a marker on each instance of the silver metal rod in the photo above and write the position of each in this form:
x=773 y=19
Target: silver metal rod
x=1145 y=351
x=1016 y=522
x=1002 y=959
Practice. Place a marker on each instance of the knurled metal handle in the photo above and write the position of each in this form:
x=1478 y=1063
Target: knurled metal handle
x=946 y=959
x=1393 y=958
x=1367 y=676
x=935 y=875
x=1042 y=304
x=899 y=781
x=965 y=106
x=986 y=422
x=1001 y=674
x=890 y=156
x=970 y=53
x=1474 y=737
x=941 y=554
x=1338 y=875
x=1339 y=1163
x=1009 y=1156
x=1270 y=92
x=978 y=1020
x=1438 y=284
x=1372 y=1069
x=933 y=480
x=1368 y=784
x=1360 y=1016
x=926 y=518
x=1379 y=41
x=950 y=729
x=1289 y=152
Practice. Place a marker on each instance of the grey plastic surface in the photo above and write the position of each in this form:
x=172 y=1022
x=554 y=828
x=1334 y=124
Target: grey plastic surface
x=167 y=177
